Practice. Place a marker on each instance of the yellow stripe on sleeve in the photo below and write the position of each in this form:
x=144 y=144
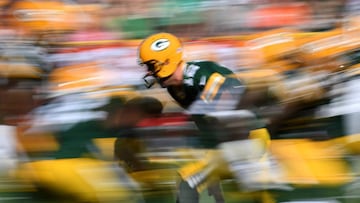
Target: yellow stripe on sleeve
x=212 y=87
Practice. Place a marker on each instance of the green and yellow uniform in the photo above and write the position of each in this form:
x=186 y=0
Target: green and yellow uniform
x=205 y=81
x=207 y=87
x=204 y=84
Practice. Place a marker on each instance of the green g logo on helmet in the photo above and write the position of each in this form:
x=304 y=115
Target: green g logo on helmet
x=160 y=44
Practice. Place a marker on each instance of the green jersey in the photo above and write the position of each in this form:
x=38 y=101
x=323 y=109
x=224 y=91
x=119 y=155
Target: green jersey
x=204 y=83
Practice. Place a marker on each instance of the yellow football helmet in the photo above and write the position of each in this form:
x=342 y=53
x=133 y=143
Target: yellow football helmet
x=41 y=16
x=272 y=45
x=161 y=53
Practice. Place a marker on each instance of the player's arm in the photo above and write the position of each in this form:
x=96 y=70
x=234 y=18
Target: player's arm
x=221 y=87
x=219 y=93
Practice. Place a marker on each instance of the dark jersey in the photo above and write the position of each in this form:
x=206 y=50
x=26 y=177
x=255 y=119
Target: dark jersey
x=204 y=82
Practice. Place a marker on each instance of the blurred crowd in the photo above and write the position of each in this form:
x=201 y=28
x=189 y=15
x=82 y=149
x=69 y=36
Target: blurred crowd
x=191 y=18
x=72 y=96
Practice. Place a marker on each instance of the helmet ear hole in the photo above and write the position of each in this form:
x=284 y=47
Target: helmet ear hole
x=166 y=62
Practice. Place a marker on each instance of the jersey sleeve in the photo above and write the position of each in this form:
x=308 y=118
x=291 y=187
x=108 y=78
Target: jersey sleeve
x=218 y=82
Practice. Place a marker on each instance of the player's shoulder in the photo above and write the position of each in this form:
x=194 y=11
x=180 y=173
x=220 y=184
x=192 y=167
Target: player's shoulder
x=202 y=63
x=205 y=67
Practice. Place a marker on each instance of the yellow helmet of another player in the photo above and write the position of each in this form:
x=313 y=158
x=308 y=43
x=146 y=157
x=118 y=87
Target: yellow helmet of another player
x=161 y=53
x=41 y=16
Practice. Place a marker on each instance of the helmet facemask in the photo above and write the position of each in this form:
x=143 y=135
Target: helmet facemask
x=151 y=77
